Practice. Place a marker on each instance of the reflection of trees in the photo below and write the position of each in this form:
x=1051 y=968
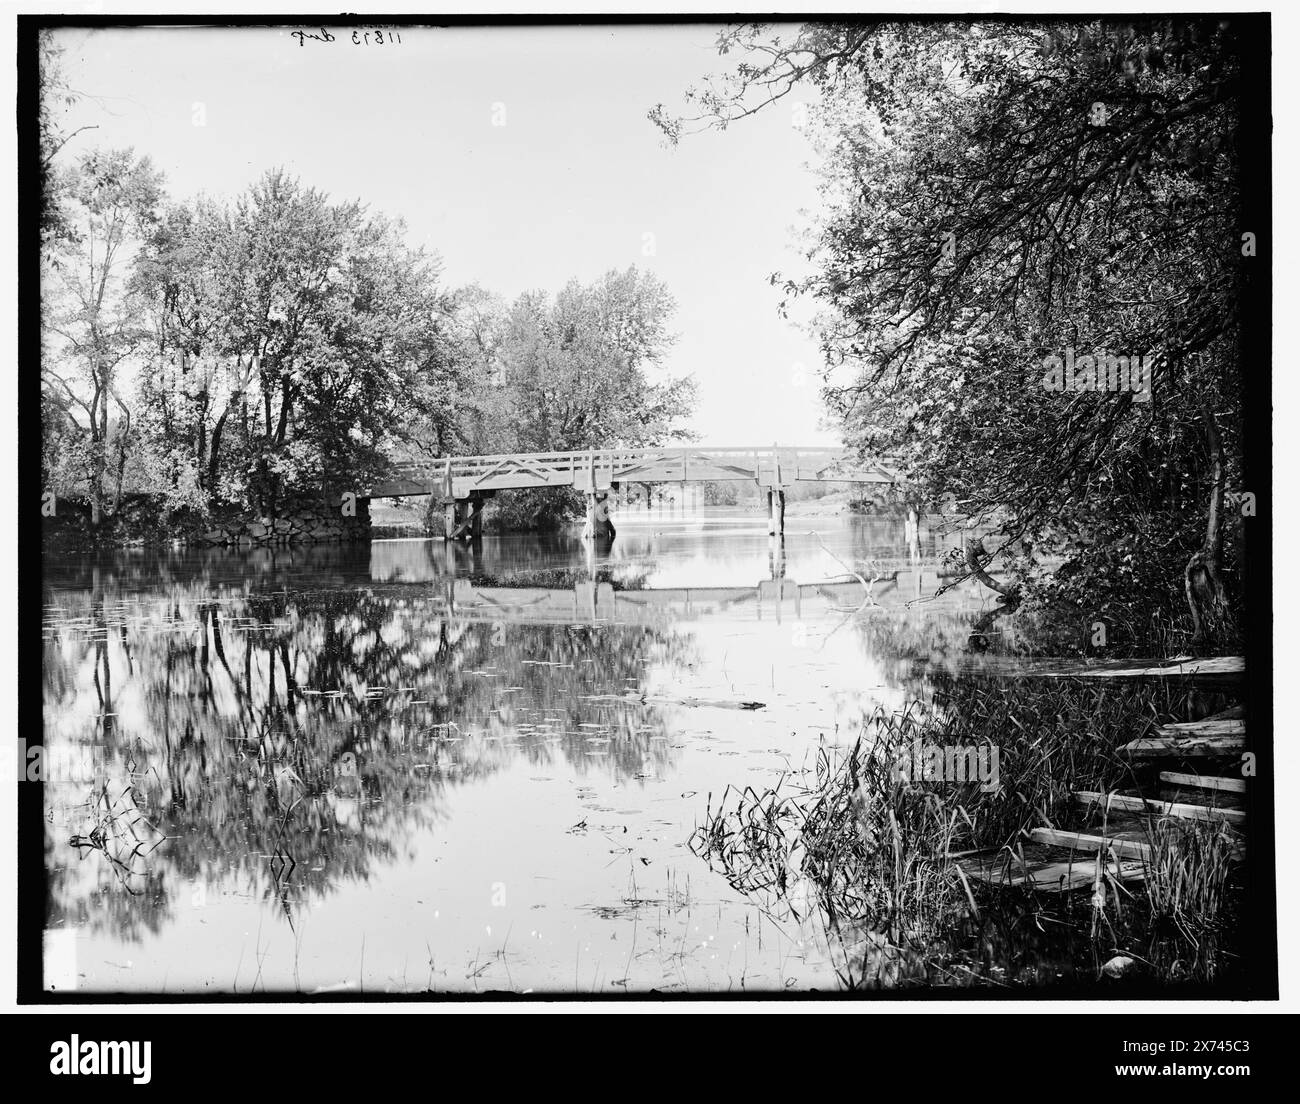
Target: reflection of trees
x=905 y=642
x=926 y=633
x=143 y=571
x=287 y=741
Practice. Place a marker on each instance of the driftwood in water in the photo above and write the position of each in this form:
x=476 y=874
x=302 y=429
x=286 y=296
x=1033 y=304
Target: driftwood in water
x=710 y=703
x=690 y=703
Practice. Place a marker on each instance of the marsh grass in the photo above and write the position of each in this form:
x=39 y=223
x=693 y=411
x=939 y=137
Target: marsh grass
x=1190 y=870
x=1190 y=888
x=875 y=854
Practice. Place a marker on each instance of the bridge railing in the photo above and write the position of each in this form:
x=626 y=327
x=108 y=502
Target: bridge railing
x=599 y=467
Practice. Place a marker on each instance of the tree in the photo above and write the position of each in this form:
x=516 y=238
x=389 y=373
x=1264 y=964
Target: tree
x=293 y=335
x=53 y=97
x=577 y=371
x=442 y=414
x=92 y=322
x=999 y=194
x=582 y=369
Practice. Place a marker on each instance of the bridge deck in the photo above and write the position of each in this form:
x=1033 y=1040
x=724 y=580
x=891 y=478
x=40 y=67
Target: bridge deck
x=602 y=469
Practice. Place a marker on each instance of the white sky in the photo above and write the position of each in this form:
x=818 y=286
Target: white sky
x=568 y=187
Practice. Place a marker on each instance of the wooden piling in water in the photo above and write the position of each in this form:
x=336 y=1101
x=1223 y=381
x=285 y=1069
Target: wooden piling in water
x=776 y=512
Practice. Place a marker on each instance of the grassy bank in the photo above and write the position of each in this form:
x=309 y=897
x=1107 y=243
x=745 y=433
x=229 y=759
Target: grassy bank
x=875 y=856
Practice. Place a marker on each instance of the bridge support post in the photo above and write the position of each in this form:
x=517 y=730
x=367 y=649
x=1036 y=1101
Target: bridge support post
x=776 y=512
x=598 y=526
x=776 y=559
x=469 y=521
x=476 y=519
x=450 y=519
x=463 y=518
x=594 y=529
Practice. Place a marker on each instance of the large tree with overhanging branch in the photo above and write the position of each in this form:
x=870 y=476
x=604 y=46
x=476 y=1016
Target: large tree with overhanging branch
x=999 y=193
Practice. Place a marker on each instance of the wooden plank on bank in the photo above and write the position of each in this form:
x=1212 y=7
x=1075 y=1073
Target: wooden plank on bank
x=1187 y=747
x=1183 y=811
x=1204 y=728
x=1204 y=781
x=1183 y=667
x=1084 y=841
x=1212 y=672
x=1050 y=877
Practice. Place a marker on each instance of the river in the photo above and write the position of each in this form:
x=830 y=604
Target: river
x=413 y=766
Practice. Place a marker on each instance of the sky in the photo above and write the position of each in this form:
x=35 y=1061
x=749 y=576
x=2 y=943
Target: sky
x=522 y=156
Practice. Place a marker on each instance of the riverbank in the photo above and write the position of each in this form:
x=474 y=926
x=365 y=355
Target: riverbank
x=141 y=524
x=881 y=838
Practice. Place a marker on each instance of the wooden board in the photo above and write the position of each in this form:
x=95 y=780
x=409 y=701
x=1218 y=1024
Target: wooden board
x=1204 y=781
x=1227 y=667
x=1204 y=728
x=1051 y=876
x=1184 y=747
x=1213 y=671
x=1181 y=810
x=1083 y=841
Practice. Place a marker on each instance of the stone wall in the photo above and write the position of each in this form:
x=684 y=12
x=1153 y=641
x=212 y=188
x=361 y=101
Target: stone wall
x=320 y=522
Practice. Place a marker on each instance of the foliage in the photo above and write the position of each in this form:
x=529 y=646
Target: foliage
x=998 y=193
x=577 y=371
x=92 y=320
x=54 y=96
x=291 y=333
x=283 y=344
x=580 y=370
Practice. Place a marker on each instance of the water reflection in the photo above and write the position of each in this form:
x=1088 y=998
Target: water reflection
x=307 y=733
x=240 y=711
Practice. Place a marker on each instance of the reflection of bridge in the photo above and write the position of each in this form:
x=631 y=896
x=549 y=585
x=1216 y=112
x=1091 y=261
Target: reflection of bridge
x=593 y=602
x=463 y=483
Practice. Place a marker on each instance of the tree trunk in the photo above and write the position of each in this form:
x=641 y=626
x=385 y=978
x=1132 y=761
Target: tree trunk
x=98 y=445
x=201 y=446
x=214 y=451
x=974 y=556
x=1207 y=597
x=119 y=475
x=286 y=399
x=1008 y=602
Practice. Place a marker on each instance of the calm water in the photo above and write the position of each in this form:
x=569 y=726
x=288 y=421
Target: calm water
x=412 y=766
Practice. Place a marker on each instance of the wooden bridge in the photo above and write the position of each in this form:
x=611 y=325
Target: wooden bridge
x=463 y=483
